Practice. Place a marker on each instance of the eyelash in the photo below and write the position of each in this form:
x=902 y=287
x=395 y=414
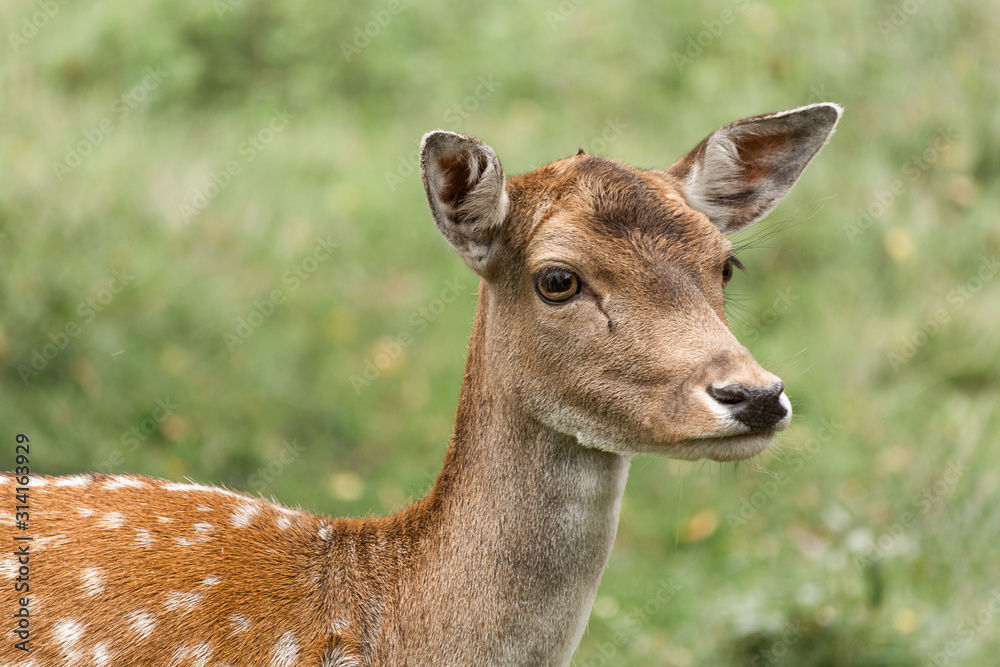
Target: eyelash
x=727 y=269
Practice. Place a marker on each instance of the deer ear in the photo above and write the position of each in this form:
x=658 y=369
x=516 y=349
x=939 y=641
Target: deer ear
x=740 y=172
x=464 y=182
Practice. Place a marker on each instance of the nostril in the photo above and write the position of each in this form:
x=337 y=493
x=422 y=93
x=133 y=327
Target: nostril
x=758 y=408
x=732 y=394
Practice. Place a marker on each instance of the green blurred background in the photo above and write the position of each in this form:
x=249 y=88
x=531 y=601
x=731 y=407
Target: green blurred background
x=211 y=227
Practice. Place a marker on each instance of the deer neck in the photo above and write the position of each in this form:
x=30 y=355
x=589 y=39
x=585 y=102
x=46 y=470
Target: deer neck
x=525 y=521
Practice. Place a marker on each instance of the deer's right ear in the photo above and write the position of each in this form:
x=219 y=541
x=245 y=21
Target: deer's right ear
x=464 y=182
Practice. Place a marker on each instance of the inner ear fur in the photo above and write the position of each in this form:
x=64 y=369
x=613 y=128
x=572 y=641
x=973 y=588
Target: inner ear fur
x=465 y=187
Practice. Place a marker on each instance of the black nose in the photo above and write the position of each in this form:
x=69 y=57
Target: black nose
x=757 y=408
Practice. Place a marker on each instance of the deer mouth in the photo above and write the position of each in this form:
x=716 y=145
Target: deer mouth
x=741 y=447
x=724 y=448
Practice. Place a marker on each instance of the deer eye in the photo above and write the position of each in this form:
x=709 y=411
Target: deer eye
x=557 y=285
x=727 y=269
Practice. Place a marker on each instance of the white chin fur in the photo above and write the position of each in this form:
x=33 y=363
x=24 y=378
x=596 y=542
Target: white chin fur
x=726 y=448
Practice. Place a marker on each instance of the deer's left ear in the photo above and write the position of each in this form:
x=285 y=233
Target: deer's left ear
x=466 y=192
x=741 y=171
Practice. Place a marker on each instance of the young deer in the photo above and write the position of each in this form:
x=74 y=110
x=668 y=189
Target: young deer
x=600 y=334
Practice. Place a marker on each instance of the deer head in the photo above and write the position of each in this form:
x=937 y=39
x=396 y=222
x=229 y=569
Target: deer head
x=602 y=294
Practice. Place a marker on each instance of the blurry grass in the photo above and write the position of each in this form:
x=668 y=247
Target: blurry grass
x=280 y=415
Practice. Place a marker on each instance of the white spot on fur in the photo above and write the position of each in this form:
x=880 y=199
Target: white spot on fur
x=239 y=622
x=66 y=632
x=143 y=538
x=36 y=482
x=84 y=511
x=201 y=531
x=112 y=520
x=164 y=519
x=284 y=522
x=211 y=580
x=93 y=582
x=286 y=651
x=40 y=543
x=102 y=655
x=325 y=531
x=243 y=515
x=142 y=622
x=76 y=480
x=122 y=481
x=8 y=569
x=182 y=602
x=198 y=655
x=188 y=488
x=203 y=508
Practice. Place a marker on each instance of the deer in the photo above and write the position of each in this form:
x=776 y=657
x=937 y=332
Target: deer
x=600 y=334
